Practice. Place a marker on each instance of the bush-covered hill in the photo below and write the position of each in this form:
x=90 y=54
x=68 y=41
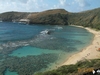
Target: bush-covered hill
x=53 y=17
x=81 y=68
x=9 y=16
x=90 y=18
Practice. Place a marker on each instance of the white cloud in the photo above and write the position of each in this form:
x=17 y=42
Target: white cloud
x=82 y=3
x=62 y=2
x=41 y=5
x=22 y=5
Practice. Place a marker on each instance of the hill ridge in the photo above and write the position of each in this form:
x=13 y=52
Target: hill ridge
x=90 y=18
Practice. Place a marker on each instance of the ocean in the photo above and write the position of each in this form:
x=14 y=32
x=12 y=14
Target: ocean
x=27 y=49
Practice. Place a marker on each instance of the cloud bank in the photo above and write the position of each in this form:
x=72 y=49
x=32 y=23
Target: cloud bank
x=41 y=5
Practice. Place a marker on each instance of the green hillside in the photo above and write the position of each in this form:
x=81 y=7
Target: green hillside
x=9 y=16
x=81 y=68
x=90 y=18
x=52 y=17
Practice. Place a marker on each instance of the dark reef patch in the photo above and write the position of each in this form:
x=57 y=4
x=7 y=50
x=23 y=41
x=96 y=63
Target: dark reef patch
x=27 y=65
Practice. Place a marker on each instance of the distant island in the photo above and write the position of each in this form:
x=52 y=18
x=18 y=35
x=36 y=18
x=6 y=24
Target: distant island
x=90 y=18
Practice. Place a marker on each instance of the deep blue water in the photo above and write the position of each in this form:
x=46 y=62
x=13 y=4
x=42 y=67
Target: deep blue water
x=16 y=31
x=66 y=38
x=28 y=39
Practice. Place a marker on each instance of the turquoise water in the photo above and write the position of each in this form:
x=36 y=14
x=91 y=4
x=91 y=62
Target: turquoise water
x=28 y=50
x=7 y=72
x=26 y=41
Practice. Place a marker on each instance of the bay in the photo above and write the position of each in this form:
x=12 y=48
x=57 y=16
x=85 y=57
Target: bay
x=28 y=41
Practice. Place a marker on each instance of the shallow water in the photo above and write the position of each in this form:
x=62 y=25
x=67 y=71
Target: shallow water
x=7 y=72
x=26 y=41
x=28 y=50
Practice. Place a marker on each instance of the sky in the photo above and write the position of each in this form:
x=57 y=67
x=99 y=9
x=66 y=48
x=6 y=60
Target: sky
x=42 y=5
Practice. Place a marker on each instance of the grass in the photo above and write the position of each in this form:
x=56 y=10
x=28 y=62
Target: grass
x=84 y=66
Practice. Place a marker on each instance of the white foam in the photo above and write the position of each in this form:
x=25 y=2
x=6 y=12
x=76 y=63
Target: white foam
x=59 y=27
x=45 y=31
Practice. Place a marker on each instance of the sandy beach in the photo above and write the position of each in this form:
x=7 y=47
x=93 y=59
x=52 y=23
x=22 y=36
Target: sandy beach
x=90 y=52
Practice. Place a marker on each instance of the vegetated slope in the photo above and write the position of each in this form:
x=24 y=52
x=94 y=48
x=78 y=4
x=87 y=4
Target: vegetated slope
x=53 y=17
x=81 y=68
x=9 y=16
x=89 y=18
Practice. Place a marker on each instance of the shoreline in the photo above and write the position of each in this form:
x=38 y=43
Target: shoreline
x=89 y=52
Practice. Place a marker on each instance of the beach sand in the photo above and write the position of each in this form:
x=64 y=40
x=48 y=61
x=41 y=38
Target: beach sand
x=89 y=52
